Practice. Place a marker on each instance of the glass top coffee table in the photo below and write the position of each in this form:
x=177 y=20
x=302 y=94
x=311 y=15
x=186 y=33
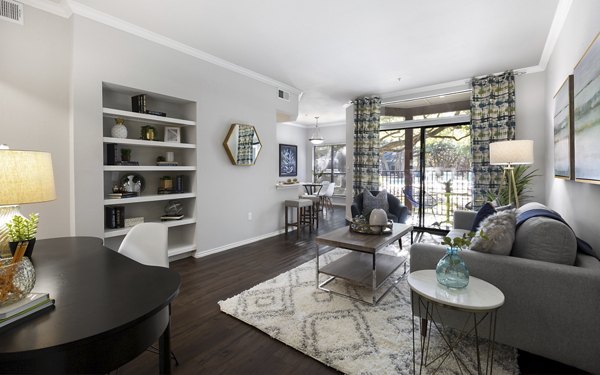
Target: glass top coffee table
x=364 y=265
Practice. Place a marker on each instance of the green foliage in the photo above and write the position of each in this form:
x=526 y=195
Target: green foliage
x=22 y=228
x=523 y=178
x=462 y=242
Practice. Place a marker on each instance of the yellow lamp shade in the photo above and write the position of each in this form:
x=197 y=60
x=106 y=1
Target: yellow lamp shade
x=26 y=177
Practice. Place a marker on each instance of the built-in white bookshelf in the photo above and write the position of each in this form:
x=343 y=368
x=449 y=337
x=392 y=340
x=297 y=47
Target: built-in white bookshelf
x=150 y=203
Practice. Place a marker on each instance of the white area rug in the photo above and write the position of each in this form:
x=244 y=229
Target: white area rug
x=350 y=336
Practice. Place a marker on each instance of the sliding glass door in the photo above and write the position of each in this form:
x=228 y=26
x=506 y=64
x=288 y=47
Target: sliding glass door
x=429 y=169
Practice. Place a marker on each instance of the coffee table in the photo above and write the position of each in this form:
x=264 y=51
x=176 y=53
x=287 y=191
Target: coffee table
x=479 y=300
x=364 y=265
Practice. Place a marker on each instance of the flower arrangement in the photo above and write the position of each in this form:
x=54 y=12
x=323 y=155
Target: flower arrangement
x=23 y=229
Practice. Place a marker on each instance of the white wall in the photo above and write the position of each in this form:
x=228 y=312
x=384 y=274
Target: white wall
x=530 y=124
x=577 y=202
x=34 y=104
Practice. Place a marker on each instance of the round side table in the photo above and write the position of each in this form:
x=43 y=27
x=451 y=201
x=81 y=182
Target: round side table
x=479 y=300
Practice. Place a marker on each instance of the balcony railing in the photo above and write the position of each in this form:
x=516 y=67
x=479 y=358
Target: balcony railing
x=459 y=197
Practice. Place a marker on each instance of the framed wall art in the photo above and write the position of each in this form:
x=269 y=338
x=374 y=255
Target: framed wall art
x=586 y=90
x=288 y=160
x=172 y=134
x=563 y=131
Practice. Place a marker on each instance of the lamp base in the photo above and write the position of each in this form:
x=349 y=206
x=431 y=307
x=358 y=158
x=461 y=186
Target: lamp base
x=6 y=215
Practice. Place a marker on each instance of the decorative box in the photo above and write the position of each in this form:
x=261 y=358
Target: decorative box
x=130 y=222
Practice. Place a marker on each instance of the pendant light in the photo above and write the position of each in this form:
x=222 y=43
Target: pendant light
x=316 y=138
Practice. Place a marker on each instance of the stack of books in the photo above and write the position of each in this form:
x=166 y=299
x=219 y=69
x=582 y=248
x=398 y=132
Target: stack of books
x=114 y=217
x=122 y=195
x=30 y=305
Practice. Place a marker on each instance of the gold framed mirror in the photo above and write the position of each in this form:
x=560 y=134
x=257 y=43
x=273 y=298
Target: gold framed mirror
x=242 y=144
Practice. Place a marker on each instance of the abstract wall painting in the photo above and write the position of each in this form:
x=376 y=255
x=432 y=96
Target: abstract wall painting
x=563 y=131
x=288 y=160
x=586 y=89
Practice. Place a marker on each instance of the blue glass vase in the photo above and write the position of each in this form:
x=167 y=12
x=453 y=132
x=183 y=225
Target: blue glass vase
x=451 y=270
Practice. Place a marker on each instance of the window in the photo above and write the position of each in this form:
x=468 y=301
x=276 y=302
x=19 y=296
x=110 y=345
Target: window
x=329 y=164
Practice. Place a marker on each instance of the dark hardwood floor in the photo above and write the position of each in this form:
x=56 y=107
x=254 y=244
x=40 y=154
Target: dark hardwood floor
x=207 y=341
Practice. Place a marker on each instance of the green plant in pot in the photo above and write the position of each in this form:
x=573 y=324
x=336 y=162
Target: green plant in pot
x=21 y=230
x=523 y=179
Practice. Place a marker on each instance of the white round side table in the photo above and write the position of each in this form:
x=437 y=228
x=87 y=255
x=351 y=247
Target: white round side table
x=479 y=300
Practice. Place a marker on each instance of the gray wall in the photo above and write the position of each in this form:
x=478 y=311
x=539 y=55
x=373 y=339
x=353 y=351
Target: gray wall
x=35 y=73
x=577 y=202
x=226 y=193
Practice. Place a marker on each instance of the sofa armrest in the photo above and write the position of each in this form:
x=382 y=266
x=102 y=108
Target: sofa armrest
x=464 y=219
x=550 y=309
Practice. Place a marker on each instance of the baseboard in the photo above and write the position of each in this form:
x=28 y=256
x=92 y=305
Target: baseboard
x=200 y=254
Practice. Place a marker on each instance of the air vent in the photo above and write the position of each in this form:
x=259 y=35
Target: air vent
x=11 y=11
x=283 y=95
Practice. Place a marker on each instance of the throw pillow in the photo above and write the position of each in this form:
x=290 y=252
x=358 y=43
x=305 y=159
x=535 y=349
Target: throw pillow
x=485 y=211
x=499 y=229
x=371 y=202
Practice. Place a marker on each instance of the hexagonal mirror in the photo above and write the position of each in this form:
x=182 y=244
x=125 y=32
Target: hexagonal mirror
x=242 y=144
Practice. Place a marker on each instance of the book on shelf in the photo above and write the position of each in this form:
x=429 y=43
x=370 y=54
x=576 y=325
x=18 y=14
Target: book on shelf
x=156 y=113
x=171 y=217
x=167 y=163
x=138 y=103
x=111 y=153
x=114 y=217
x=122 y=195
x=129 y=163
x=42 y=303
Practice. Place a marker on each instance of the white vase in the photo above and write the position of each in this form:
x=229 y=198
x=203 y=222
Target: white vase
x=378 y=217
x=118 y=130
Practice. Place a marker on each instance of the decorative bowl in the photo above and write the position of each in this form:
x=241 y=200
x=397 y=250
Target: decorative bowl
x=361 y=225
x=16 y=280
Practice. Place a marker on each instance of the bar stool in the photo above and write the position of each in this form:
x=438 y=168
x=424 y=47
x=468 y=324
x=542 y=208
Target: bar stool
x=302 y=218
x=316 y=203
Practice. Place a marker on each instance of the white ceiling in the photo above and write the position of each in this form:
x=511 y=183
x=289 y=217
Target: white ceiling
x=336 y=50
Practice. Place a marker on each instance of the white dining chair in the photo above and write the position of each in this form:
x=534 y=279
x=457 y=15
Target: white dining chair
x=326 y=193
x=147 y=243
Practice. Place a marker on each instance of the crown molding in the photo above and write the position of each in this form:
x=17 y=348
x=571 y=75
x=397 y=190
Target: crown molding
x=66 y=8
x=560 y=16
x=61 y=9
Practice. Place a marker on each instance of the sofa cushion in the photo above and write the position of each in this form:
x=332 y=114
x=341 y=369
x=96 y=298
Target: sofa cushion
x=486 y=210
x=371 y=202
x=546 y=239
x=499 y=229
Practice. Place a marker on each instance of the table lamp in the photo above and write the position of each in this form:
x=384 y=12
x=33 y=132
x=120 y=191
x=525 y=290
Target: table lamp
x=25 y=177
x=507 y=154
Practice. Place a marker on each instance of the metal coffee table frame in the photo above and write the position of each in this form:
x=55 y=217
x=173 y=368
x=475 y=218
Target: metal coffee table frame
x=364 y=265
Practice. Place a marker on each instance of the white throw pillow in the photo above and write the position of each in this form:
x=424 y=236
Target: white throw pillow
x=499 y=229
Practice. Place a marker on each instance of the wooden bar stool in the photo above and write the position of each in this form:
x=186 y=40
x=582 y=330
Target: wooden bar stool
x=314 y=212
x=302 y=219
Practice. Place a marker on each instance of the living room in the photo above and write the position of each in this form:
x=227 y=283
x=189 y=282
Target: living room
x=57 y=63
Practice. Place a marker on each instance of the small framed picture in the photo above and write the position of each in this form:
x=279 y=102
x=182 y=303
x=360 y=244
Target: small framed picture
x=172 y=134
x=288 y=160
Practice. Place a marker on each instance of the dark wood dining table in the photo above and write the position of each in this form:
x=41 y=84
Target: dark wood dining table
x=108 y=310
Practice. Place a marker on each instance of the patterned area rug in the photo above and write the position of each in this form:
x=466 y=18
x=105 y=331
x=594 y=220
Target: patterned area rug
x=348 y=335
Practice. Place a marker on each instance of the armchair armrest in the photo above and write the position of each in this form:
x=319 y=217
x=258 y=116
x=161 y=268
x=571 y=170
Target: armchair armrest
x=464 y=219
x=398 y=210
x=355 y=209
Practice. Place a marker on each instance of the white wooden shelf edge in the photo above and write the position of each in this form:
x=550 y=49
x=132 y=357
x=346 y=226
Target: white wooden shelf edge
x=176 y=250
x=134 y=116
x=141 y=142
x=147 y=198
x=173 y=223
x=150 y=168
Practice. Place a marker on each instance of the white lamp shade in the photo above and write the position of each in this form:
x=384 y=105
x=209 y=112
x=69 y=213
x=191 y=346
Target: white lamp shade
x=511 y=152
x=26 y=177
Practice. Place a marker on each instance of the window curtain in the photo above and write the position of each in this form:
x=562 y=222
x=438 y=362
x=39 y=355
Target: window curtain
x=492 y=119
x=245 y=150
x=366 y=144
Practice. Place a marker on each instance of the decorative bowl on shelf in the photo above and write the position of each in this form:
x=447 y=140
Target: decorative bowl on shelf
x=361 y=225
x=16 y=280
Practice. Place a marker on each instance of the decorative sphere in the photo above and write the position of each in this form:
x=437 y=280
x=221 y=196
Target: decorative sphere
x=378 y=217
x=118 y=130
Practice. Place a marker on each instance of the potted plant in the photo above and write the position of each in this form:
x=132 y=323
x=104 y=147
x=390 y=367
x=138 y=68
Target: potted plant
x=451 y=270
x=22 y=230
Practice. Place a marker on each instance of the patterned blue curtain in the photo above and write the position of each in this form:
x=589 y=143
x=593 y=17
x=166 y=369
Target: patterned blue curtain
x=366 y=144
x=492 y=119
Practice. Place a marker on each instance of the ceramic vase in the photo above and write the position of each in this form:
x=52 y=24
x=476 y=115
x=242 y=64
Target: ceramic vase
x=118 y=130
x=377 y=217
x=451 y=270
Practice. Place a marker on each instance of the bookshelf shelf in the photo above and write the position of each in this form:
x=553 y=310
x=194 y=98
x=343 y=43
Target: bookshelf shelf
x=117 y=100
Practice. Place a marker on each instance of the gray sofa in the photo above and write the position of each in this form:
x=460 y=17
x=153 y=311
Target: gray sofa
x=550 y=309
